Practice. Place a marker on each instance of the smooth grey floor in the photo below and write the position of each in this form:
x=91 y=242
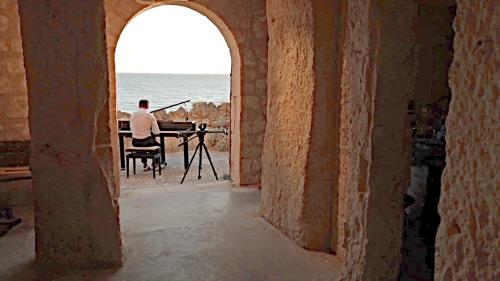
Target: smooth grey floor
x=190 y=232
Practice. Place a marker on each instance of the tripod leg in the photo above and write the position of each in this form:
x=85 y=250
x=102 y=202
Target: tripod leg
x=210 y=160
x=190 y=162
x=199 y=164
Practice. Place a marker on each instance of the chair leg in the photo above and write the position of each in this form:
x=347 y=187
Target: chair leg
x=159 y=166
x=134 y=165
x=128 y=164
x=154 y=168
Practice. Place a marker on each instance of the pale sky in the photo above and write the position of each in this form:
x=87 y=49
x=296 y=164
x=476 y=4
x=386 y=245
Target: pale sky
x=172 y=39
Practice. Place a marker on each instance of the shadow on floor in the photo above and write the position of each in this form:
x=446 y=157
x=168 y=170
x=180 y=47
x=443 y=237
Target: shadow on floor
x=190 y=232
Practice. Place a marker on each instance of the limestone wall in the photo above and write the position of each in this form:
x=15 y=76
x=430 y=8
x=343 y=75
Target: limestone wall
x=378 y=78
x=300 y=151
x=355 y=146
x=14 y=129
x=13 y=91
x=468 y=241
x=243 y=24
x=76 y=218
x=290 y=102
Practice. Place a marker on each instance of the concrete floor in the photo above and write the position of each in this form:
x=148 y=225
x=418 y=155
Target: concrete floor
x=204 y=232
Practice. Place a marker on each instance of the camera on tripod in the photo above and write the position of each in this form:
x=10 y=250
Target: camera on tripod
x=200 y=134
x=202 y=126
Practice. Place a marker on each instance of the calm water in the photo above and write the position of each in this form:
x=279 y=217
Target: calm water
x=165 y=89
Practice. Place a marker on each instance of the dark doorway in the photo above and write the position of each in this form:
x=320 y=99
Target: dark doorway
x=427 y=109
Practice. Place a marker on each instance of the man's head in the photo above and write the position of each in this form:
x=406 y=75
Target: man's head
x=144 y=104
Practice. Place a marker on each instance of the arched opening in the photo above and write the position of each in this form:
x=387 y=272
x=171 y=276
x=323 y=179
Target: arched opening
x=168 y=55
x=233 y=96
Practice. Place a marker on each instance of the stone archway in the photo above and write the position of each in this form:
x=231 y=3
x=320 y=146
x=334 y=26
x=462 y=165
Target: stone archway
x=248 y=78
x=73 y=120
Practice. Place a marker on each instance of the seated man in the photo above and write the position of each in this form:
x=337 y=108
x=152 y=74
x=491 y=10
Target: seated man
x=144 y=126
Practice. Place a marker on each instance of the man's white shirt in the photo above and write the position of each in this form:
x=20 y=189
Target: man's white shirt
x=142 y=123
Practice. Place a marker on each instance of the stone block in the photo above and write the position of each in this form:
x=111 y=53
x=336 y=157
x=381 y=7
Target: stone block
x=70 y=172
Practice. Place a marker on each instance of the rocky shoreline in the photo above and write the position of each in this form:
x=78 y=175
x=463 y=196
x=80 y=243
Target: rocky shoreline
x=215 y=116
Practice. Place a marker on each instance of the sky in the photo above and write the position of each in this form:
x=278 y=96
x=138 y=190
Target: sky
x=172 y=39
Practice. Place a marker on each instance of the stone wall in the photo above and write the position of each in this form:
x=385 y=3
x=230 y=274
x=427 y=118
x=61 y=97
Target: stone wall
x=434 y=52
x=378 y=79
x=355 y=146
x=290 y=88
x=14 y=129
x=468 y=238
x=301 y=144
x=76 y=218
x=243 y=24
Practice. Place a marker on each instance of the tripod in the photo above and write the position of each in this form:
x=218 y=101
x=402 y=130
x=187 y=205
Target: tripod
x=201 y=146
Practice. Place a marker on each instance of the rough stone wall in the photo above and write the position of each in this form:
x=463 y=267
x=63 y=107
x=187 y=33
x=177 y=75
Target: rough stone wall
x=355 y=146
x=468 y=241
x=301 y=143
x=290 y=103
x=65 y=56
x=243 y=24
x=378 y=78
x=14 y=129
x=13 y=91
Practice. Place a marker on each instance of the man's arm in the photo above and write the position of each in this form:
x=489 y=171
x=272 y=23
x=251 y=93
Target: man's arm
x=154 y=125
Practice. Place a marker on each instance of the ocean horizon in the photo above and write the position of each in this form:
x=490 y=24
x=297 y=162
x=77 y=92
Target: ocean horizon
x=163 y=89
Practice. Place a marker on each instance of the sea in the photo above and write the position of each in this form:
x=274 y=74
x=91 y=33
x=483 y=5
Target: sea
x=165 y=89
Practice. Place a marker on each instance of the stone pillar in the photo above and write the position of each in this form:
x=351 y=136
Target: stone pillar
x=300 y=158
x=76 y=219
x=378 y=78
x=389 y=173
x=467 y=244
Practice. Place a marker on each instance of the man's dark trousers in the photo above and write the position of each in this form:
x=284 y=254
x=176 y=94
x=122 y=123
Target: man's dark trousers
x=147 y=142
